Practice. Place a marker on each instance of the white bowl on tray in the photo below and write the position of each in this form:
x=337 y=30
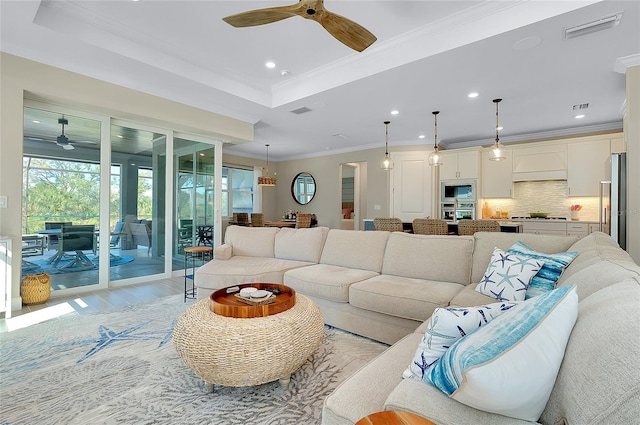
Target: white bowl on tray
x=260 y=294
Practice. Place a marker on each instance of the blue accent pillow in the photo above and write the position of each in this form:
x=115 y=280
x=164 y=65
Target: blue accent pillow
x=553 y=266
x=509 y=366
x=446 y=326
x=508 y=276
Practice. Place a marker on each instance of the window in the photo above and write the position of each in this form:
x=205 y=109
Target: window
x=145 y=193
x=237 y=190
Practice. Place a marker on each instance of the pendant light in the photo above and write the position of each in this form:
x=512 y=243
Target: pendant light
x=434 y=157
x=386 y=163
x=266 y=180
x=497 y=151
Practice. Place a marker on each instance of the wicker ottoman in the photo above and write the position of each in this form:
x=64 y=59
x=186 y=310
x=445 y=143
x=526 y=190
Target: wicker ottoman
x=242 y=352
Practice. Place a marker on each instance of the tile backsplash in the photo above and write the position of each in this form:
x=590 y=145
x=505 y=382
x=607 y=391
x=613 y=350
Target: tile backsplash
x=549 y=196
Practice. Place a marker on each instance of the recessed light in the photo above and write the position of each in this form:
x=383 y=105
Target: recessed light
x=395 y=112
x=473 y=94
x=270 y=65
x=421 y=136
x=579 y=116
x=35 y=122
x=285 y=72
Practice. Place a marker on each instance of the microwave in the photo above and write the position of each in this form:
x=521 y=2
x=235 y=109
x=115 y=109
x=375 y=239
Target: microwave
x=458 y=190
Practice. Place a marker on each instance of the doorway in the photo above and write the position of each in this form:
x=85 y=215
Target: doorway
x=352 y=179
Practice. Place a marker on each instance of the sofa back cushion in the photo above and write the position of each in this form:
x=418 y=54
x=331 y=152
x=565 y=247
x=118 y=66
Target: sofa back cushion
x=355 y=249
x=300 y=244
x=251 y=241
x=441 y=258
x=598 y=381
x=485 y=242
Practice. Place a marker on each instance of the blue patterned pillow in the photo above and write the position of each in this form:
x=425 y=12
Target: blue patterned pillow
x=508 y=276
x=547 y=277
x=446 y=326
x=509 y=366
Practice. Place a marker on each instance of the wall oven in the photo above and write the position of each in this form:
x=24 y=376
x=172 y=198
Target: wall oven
x=454 y=211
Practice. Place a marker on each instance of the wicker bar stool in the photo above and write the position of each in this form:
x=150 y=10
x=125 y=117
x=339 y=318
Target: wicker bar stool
x=257 y=219
x=430 y=226
x=469 y=227
x=389 y=224
x=303 y=220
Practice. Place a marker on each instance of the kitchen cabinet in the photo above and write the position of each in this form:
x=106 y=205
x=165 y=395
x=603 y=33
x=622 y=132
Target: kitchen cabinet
x=542 y=162
x=496 y=176
x=587 y=166
x=460 y=165
x=545 y=227
x=577 y=229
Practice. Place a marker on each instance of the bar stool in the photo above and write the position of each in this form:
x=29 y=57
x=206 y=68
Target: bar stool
x=193 y=254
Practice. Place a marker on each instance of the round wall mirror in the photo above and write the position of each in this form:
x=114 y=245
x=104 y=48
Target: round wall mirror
x=303 y=188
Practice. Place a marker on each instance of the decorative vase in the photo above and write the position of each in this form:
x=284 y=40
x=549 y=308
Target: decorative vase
x=575 y=215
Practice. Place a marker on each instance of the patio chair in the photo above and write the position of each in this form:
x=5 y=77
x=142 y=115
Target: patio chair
x=52 y=239
x=141 y=235
x=77 y=238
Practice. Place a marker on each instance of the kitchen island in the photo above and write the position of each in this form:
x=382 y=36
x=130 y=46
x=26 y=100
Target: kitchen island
x=505 y=226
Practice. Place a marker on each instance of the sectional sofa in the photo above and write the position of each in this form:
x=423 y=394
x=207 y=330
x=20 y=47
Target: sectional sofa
x=386 y=285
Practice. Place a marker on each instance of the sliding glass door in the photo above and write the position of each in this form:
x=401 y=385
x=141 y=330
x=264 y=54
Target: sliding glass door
x=137 y=207
x=61 y=197
x=195 y=212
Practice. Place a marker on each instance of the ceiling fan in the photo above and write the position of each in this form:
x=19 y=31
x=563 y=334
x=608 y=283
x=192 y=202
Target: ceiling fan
x=62 y=140
x=344 y=30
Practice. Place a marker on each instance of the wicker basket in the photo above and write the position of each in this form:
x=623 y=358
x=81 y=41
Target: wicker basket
x=35 y=288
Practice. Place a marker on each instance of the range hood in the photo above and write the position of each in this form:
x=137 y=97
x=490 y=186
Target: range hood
x=535 y=163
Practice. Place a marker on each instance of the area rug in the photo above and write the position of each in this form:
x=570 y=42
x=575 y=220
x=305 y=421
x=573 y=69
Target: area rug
x=41 y=265
x=122 y=367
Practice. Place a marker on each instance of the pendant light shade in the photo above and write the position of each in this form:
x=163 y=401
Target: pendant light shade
x=497 y=151
x=267 y=180
x=386 y=163
x=434 y=157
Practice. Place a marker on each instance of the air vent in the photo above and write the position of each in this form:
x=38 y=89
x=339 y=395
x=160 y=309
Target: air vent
x=302 y=110
x=593 y=26
x=580 y=106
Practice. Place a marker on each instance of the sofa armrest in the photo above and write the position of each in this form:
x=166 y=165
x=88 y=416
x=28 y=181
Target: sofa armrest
x=223 y=252
x=429 y=402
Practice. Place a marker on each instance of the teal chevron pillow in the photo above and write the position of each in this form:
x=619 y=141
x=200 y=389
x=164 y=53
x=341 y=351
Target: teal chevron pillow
x=509 y=366
x=446 y=326
x=508 y=276
x=553 y=266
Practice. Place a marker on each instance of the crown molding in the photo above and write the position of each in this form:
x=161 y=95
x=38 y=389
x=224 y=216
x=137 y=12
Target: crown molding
x=623 y=63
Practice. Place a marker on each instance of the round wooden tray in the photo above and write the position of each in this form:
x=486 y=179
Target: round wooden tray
x=227 y=304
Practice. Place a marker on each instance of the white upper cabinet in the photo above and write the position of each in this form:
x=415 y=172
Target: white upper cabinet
x=587 y=166
x=542 y=162
x=460 y=165
x=496 y=175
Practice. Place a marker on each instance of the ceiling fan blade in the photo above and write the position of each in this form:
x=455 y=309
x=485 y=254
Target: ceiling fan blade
x=262 y=16
x=346 y=31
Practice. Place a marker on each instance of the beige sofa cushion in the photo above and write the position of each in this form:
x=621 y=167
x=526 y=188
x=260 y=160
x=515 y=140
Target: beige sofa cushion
x=355 y=249
x=598 y=382
x=251 y=241
x=485 y=242
x=409 y=298
x=326 y=281
x=365 y=392
x=217 y=274
x=438 y=258
x=300 y=244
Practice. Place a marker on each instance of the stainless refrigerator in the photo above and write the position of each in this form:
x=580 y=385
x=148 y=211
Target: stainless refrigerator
x=613 y=200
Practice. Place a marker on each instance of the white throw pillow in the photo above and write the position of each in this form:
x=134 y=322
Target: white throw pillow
x=508 y=276
x=509 y=366
x=446 y=326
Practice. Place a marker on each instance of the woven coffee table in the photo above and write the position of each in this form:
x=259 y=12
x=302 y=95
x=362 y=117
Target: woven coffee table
x=240 y=352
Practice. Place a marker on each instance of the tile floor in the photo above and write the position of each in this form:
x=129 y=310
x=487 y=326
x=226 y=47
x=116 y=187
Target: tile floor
x=105 y=300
